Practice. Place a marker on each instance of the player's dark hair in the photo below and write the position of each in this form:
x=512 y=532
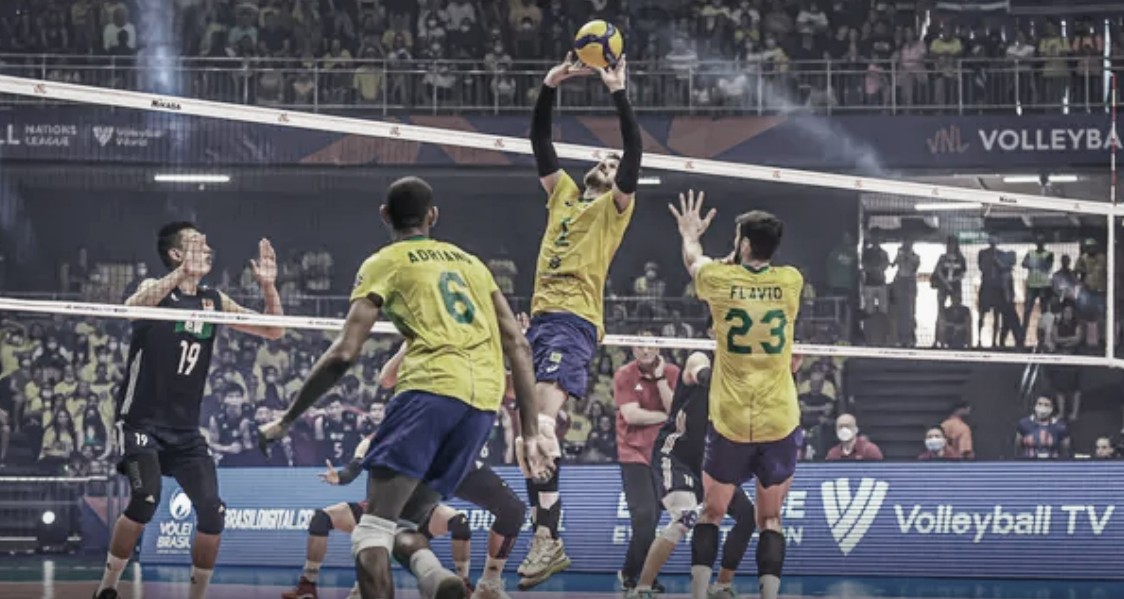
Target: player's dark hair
x=169 y=238
x=614 y=155
x=764 y=232
x=407 y=203
x=646 y=331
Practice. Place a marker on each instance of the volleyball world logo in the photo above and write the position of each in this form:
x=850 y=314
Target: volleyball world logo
x=180 y=506
x=849 y=516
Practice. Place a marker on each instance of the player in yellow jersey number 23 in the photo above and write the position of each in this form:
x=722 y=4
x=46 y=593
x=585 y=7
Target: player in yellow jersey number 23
x=754 y=414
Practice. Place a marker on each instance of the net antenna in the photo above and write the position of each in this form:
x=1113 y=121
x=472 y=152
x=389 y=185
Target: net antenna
x=83 y=94
x=1110 y=295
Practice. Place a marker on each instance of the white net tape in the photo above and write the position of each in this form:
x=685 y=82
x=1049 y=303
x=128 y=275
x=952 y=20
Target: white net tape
x=335 y=324
x=393 y=131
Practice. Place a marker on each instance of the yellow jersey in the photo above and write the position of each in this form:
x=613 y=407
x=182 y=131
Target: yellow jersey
x=752 y=393
x=579 y=244
x=440 y=298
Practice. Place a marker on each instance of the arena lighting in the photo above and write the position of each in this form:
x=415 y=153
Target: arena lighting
x=939 y=206
x=51 y=536
x=1038 y=179
x=191 y=178
x=648 y=181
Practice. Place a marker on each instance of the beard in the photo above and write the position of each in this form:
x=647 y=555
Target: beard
x=596 y=180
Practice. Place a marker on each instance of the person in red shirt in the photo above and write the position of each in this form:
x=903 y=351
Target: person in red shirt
x=851 y=445
x=642 y=391
x=937 y=446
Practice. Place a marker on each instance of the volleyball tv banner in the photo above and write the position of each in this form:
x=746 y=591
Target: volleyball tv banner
x=860 y=143
x=1000 y=519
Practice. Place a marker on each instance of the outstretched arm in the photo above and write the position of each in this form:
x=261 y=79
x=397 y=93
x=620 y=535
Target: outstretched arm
x=331 y=366
x=265 y=273
x=546 y=160
x=628 y=172
x=692 y=225
x=388 y=374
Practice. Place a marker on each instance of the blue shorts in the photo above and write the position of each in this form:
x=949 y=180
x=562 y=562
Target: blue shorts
x=432 y=438
x=563 y=346
x=734 y=463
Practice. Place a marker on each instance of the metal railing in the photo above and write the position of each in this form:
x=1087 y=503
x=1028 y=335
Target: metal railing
x=758 y=85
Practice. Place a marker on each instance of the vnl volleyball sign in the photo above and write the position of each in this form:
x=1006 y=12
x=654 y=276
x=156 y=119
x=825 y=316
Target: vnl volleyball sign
x=993 y=519
x=1014 y=137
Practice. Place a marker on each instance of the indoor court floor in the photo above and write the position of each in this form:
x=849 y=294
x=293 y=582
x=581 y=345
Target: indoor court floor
x=76 y=578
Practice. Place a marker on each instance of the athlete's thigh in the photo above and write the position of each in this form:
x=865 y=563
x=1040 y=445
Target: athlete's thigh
x=774 y=462
x=136 y=442
x=484 y=488
x=716 y=497
x=192 y=466
x=421 y=505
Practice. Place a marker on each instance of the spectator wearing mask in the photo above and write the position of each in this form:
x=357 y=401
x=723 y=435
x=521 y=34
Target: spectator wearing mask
x=1038 y=264
x=812 y=20
x=937 y=447
x=958 y=433
x=642 y=392
x=1041 y=435
x=1103 y=449
x=852 y=446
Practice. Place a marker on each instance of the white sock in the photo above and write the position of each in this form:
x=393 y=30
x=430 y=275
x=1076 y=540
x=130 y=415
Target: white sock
x=493 y=568
x=640 y=588
x=423 y=562
x=114 y=566
x=463 y=568
x=700 y=581
x=311 y=571
x=200 y=580
x=723 y=585
x=769 y=585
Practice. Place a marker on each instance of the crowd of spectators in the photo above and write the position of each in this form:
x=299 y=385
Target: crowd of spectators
x=471 y=53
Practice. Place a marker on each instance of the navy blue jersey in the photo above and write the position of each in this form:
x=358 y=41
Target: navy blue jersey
x=341 y=438
x=168 y=364
x=689 y=444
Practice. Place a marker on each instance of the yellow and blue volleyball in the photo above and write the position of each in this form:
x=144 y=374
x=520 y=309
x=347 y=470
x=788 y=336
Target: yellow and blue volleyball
x=599 y=44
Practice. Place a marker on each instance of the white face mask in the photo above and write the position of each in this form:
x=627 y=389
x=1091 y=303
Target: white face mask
x=1042 y=412
x=845 y=434
x=935 y=444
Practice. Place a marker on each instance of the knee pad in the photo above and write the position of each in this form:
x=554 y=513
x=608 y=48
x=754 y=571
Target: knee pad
x=140 y=509
x=676 y=531
x=509 y=517
x=210 y=518
x=320 y=525
x=704 y=545
x=681 y=503
x=770 y=553
x=373 y=532
x=459 y=529
x=144 y=486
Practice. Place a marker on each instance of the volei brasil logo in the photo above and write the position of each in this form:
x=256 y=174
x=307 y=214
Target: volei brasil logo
x=850 y=516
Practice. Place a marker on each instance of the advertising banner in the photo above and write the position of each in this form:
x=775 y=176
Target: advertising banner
x=1000 y=520
x=863 y=144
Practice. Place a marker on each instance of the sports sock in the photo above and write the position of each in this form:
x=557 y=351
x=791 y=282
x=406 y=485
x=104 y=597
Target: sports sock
x=311 y=571
x=424 y=562
x=114 y=566
x=700 y=581
x=493 y=568
x=462 y=568
x=200 y=580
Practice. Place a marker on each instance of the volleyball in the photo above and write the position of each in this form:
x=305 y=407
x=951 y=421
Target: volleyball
x=599 y=44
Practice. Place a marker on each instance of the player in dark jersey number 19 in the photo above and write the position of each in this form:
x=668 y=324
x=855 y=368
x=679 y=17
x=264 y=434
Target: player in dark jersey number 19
x=158 y=407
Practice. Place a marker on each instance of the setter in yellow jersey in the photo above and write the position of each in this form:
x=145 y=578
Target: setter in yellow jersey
x=754 y=416
x=584 y=229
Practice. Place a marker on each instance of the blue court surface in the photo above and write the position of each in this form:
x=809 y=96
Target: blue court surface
x=76 y=578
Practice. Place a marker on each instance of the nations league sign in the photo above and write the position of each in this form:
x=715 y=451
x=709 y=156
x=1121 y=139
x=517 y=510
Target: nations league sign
x=1001 y=520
